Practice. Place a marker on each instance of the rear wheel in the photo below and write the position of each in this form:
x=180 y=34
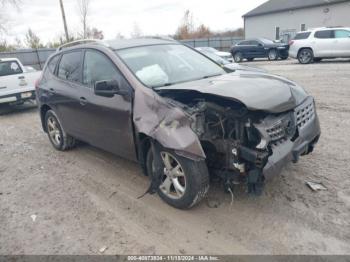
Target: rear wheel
x=184 y=182
x=238 y=57
x=57 y=136
x=305 y=56
x=272 y=55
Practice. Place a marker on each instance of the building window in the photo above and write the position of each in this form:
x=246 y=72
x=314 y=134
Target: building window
x=303 y=27
x=277 y=32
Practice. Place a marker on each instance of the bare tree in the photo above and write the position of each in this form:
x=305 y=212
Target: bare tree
x=83 y=8
x=94 y=33
x=32 y=40
x=3 y=19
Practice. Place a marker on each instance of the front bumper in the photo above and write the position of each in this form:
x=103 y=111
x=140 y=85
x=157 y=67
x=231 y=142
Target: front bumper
x=17 y=97
x=290 y=151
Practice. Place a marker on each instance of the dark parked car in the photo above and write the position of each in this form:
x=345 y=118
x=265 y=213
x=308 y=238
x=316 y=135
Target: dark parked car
x=259 y=48
x=176 y=112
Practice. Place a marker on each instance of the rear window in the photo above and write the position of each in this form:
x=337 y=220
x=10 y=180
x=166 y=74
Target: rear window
x=10 y=68
x=325 y=34
x=244 y=43
x=302 y=36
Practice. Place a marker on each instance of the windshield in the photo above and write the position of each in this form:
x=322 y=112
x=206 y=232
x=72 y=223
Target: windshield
x=266 y=41
x=162 y=65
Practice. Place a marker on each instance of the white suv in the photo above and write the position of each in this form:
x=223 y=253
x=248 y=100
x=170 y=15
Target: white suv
x=316 y=44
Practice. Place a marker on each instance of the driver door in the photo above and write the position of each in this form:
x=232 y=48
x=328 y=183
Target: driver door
x=107 y=120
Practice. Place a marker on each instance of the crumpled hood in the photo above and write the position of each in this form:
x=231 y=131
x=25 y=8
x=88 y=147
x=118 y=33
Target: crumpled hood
x=257 y=91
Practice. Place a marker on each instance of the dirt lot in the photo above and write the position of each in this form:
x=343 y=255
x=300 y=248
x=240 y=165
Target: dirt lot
x=86 y=199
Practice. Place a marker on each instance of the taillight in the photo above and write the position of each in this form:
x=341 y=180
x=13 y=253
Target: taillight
x=291 y=42
x=37 y=82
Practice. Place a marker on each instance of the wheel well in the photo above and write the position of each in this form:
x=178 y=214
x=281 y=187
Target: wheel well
x=302 y=48
x=143 y=145
x=43 y=111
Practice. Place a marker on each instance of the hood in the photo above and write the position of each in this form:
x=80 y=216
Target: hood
x=257 y=91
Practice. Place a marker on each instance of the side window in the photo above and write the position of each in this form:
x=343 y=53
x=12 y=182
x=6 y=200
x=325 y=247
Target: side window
x=52 y=64
x=98 y=67
x=325 y=34
x=70 y=66
x=243 y=43
x=255 y=43
x=10 y=68
x=342 y=34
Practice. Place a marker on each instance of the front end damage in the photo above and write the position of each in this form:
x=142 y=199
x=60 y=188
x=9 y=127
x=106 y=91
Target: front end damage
x=242 y=146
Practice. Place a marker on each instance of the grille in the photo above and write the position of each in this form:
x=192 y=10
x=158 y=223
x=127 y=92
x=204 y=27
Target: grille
x=277 y=132
x=305 y=113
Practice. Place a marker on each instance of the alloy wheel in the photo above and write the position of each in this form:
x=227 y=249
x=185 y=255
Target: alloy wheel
x=54 y=131
x=305 y=56
x=174 y=179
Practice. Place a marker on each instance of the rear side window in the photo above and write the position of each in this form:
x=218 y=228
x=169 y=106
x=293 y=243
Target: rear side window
x=52 y=64
x=342 y=34
x=10 y=68
x=302 y=36
x=70 y=66
x=325 y=34
x=98 y=67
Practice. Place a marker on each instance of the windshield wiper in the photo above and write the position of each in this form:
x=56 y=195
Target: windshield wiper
x=209 y=76
x=162 y=85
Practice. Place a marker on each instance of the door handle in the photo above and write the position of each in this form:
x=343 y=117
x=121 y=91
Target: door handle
x=83 y=101
x=52 y=90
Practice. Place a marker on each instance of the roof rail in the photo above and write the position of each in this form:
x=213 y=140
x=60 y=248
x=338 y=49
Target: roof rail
x=77 y=42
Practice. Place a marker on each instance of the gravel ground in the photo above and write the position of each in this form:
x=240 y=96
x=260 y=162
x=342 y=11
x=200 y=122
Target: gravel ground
x=86 y=199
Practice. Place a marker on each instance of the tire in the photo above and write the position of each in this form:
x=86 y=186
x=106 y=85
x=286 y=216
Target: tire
x=238 y=57
x=194 y=182
x=305 y=56
x=284 y=57
x=317 y=59
x=57 y=136
x=272 y=55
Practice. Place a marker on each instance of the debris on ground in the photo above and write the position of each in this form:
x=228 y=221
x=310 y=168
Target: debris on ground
x=102 y=249
x=33 y=217
x=316 y=186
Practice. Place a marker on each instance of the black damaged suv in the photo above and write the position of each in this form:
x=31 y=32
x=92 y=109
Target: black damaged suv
x=179 y=114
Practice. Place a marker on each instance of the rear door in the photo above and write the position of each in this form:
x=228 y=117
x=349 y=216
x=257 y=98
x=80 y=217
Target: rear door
x=342 y=42
x=106 y=121
x=324 y=43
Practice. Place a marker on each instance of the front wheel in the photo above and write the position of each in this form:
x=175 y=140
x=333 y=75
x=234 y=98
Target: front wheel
x=184 y=182
x=57 y=136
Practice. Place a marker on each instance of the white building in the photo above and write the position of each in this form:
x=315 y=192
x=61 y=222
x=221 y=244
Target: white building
x=282 y=19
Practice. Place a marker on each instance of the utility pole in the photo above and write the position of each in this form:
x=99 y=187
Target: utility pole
x=64 y=21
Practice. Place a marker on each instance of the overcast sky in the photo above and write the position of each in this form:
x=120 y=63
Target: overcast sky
x=119 y=16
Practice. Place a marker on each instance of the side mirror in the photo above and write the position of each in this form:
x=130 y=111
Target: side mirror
x=106 y=88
